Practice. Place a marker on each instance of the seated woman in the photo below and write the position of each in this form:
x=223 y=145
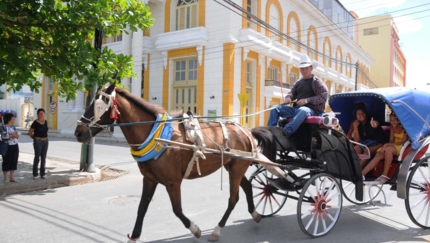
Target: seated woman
x=367 y=132
x=397 y=138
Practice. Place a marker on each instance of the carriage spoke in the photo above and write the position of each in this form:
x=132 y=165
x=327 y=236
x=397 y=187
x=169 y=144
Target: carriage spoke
x=310 y=221
x=428 y=213
x=329 y=216
x=422 y=210
x=316 y=224
x=422 y=174
x=264 y=204
x=334 y=195
x=417 y=194
x=418 y=203
x=258 y=194
x=419 y=184
x=304 y=215
x=258 y=203
x=257 y=187
x=275 y=200
x=324 y=225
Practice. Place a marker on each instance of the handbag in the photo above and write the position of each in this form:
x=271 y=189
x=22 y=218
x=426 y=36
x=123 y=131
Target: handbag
x=3 y=141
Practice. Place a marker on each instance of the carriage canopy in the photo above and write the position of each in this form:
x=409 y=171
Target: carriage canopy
x=412 y=107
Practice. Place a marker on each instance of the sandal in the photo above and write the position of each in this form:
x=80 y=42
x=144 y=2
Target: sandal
x=382 y=179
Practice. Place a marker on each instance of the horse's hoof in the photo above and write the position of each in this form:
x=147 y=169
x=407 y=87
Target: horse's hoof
x=198 y=233
x=195 y=230
x=215 y=234
x=256 y=216
x=131 y=240
x=213 y=237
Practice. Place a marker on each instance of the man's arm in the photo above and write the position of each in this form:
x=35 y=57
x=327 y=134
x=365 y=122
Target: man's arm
x=321 y=92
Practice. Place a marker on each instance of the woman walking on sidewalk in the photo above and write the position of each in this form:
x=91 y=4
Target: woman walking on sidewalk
x=10 y=160
x=39 y=133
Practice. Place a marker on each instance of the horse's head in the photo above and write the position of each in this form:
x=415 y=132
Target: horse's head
x=97 y=115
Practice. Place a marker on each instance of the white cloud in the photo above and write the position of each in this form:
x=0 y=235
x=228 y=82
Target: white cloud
x=414 y=74
x=406 y=24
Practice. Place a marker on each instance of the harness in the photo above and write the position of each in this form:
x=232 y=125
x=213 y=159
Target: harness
x=150 y=149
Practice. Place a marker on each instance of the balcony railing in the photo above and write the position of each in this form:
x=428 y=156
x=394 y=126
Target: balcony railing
x=276 y=83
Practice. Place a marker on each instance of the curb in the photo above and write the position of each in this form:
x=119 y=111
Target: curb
x=30 y=185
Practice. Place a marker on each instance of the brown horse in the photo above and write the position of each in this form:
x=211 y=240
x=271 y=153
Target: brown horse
x=113 y=103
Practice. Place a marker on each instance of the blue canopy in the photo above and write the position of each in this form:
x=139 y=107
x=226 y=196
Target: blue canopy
x=2 y=112
x=412 y=107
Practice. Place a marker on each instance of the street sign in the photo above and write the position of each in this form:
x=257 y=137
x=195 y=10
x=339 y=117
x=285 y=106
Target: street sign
x=52 y=111
x=53 y=105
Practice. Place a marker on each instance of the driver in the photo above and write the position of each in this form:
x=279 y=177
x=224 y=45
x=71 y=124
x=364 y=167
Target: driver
x=311 y=94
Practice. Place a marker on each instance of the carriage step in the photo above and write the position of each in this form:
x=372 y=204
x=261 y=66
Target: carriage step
x=283 y=184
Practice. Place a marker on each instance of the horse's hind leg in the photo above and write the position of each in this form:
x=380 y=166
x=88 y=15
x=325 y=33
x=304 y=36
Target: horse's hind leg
x=147 y=194
x=247 y=188
x=236 y=171
x=174 y=191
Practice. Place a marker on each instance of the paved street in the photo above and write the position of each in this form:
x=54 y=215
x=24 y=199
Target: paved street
x=106 y=211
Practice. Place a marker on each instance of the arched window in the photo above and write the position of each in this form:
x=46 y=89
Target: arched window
x=294 y=33
x=274 y=22
x=327 y=52
x=312 y=43
x=251 y=6
x=348 y=68
x=187 y=14
x=339 y=66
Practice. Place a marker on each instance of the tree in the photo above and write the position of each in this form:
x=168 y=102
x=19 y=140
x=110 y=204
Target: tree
x=54 y=37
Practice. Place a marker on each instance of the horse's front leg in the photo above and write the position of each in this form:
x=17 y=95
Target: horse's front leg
x=174 y=191
x=147 y=194
x=247 y=188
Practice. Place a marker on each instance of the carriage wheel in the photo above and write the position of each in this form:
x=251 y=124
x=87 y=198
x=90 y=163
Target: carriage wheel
x=348 y=191
x=268 y=199
x=417 y=200
x=319 y=205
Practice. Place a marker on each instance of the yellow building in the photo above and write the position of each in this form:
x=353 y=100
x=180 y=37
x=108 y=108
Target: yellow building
x=202 y=56
x=379 y=37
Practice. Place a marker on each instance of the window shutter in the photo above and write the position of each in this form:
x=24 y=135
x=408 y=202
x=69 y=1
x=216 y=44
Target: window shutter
x=194 y=15
x=181 y=19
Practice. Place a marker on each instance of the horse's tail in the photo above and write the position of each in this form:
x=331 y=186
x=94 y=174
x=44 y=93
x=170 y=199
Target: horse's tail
x=266 y=141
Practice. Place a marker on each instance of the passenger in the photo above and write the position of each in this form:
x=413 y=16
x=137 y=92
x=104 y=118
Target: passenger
x=367 y=132
x=311 y=94
x=397 y=138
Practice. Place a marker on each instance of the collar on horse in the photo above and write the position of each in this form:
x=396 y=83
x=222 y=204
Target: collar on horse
x=150 y=149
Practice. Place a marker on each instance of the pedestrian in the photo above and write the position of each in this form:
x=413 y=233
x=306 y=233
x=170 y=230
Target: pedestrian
x=39 y=133
x=27 y=120
x=311 y=94
x=10 y=160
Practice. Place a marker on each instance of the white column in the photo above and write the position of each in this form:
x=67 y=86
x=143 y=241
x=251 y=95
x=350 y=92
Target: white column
x=70 y=105
x=126 y=50
x=137 y=42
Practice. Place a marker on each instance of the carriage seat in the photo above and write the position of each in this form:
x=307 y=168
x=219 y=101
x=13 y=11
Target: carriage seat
x=318 y=120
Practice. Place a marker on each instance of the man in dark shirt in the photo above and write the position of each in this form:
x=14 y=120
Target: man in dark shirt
x=311 y=94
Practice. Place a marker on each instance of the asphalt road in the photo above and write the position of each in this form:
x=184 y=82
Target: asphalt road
x=106 y=211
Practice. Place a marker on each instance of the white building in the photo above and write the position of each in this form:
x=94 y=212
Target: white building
x=200 y=55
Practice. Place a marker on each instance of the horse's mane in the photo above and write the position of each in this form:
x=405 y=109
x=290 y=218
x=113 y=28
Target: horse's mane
x=140 y=102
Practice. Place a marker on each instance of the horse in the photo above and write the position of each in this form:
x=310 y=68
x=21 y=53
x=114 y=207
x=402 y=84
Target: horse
x=115 y=104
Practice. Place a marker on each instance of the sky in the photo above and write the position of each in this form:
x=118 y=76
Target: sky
x=413 y=23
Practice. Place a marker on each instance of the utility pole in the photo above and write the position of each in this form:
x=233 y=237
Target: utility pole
x=87 y=150
x=356 y=75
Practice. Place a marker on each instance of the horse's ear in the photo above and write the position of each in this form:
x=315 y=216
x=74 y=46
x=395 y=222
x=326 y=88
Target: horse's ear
x=110 y=88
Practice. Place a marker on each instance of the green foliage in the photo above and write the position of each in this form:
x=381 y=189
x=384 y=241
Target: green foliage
x=54 y=38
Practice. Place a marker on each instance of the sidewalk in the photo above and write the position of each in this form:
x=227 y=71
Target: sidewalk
x=59 y=172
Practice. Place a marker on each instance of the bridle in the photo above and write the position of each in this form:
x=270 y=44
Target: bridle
x=100 y=108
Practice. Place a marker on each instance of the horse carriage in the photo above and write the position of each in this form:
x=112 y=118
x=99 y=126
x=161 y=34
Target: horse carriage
x=320 y=160
x=334 y=155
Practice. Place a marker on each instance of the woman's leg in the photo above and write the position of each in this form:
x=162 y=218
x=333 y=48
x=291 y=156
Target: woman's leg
x=14 y=161
x=43 y=158
x=37 y=145
x=390 y=152
x=373 y=163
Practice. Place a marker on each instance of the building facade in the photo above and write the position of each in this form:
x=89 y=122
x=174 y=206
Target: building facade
x=379 y=37
x=204 y=57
